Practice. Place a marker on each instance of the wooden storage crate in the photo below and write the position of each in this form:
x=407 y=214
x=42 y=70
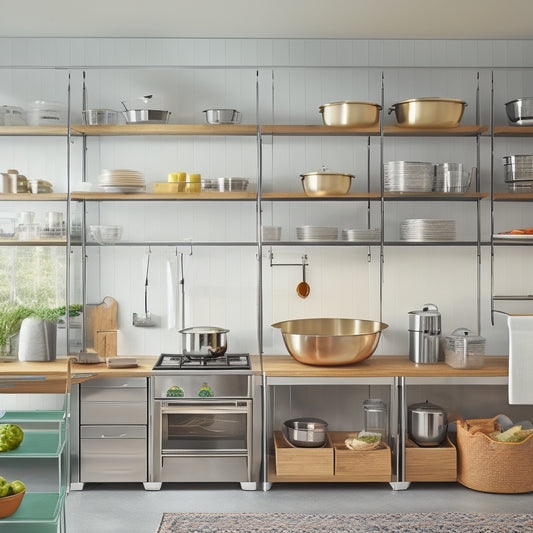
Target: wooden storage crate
x=300 y=462
x=358 y=465
x=431 y=464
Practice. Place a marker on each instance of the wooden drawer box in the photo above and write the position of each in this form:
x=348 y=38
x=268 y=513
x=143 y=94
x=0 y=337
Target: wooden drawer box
x=431 y=464
x=357 y=465
x=302 y=462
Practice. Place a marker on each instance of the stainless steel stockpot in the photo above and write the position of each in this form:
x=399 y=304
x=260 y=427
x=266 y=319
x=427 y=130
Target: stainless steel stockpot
x=427 y=424
x=305 y=432
x=204 y=341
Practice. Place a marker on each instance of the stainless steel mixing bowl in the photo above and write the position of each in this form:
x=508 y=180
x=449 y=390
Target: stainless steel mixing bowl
x=330 y=341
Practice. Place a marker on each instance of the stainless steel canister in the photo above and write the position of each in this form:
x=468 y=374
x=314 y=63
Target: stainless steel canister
x=424 y=335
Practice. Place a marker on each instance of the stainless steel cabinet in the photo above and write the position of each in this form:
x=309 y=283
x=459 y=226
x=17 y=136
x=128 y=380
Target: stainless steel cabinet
x=114 y=430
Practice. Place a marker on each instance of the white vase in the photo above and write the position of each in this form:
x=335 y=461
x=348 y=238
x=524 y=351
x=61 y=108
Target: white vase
x=37 y=340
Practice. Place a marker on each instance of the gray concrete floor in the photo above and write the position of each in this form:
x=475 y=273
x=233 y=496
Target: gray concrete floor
x=112 y=508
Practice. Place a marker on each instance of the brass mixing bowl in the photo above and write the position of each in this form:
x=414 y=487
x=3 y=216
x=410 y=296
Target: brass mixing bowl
x=330 y=341
x=429 y=112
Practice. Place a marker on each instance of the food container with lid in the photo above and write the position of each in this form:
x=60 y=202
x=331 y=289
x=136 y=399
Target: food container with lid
x=427 y=424
x=464 y=349
x=424 y=335
x=376 y=417
x=99 y=116
x=12 y=116
x=42 y=113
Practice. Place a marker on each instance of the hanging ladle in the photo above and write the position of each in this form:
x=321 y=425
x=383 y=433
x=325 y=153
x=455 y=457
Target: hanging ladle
x=303 y=288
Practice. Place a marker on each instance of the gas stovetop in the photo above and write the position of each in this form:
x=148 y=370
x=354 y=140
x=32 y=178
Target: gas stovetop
x=168 y=361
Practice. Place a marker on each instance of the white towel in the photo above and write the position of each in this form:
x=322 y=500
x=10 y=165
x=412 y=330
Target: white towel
x=172 y=292
x=520 y=359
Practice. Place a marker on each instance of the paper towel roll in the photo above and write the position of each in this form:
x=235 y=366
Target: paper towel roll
x=520 y=359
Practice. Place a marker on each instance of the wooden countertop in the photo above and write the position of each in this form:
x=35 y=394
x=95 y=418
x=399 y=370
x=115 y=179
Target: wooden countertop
x=273 y=366
x=380 y=366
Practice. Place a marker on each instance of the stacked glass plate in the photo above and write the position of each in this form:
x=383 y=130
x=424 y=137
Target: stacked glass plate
x=353 y=234
x=427 y=229
x=106 y=234
x=409 y=176
x=518 y=172
x=121 y=180
x=317 y=233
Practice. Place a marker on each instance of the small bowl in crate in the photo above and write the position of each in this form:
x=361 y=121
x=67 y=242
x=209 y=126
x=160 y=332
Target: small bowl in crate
x=106 y=234
x=9 y=504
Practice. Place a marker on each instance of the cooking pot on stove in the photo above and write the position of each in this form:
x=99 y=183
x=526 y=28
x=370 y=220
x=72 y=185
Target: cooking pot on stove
x=204 y=341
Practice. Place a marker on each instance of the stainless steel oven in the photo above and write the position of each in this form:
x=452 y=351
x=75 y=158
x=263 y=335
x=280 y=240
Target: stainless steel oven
x=203 y=423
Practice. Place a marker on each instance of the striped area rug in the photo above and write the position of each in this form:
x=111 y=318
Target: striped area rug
x=345 y=523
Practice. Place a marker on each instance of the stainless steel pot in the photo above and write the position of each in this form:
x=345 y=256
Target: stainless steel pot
x=222 y=116
x=305 y=432
x=427 y=424
x=146 y=116
x=355 y=114
x=204 y=341
x=429 y=112
x=520 y=111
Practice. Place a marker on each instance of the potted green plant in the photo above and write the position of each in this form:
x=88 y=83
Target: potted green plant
x=12 y=315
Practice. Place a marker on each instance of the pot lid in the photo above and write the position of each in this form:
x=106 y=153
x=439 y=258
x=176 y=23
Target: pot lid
x=428 y=318
x=204 y=329
x=426 y=407
x=461 y=336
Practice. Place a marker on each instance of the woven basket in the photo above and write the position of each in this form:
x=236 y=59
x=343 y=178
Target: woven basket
x=490 y=466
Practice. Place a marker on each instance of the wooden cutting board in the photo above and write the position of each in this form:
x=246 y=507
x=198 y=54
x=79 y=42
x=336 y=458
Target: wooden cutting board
x=104 y=327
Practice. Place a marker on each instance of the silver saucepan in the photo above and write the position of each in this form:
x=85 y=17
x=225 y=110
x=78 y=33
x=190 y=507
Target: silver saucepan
x=204 y=342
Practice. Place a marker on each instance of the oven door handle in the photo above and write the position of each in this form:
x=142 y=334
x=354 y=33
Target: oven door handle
x=201 y=410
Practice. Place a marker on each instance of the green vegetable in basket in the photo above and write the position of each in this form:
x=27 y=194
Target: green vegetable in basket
x=11 y=436
x=370 y=439
x=17 y=486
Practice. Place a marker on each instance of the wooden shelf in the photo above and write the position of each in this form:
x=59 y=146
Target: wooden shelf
x=37 y=131
x=513 y=196
x=436 y=196
x=36 y=242
x=289 y=196
x=513 y=131
x=29 y=197
x=189 y=196
x=459 y=131
x=167 y=129
x=310 y=130
x=380 y=366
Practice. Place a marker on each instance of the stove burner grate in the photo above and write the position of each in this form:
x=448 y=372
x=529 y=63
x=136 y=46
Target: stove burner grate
x=184 y=362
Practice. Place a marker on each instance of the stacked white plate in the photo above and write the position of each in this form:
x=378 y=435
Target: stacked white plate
x=408 y=176
x=427 y=229
x=317 y=233
x=351 y=234
x=121 y=180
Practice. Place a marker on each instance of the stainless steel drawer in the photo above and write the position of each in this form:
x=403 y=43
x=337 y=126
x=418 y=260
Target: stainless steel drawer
x=114 y=390
x=204 y=468
x=114 y=412
x=116 y=454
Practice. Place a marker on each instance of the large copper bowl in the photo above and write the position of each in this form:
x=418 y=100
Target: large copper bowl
x=330 y=341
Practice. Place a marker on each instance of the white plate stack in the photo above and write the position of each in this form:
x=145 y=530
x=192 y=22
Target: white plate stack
x=121 y=180
x=317 y=233
x=427 y=229
x=371 y=234
x=408 y=176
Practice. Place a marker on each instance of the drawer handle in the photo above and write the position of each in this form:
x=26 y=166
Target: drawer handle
x=121 y=436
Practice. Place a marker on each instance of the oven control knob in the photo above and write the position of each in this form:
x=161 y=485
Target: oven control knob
x=175 y=392
x=205 y=391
